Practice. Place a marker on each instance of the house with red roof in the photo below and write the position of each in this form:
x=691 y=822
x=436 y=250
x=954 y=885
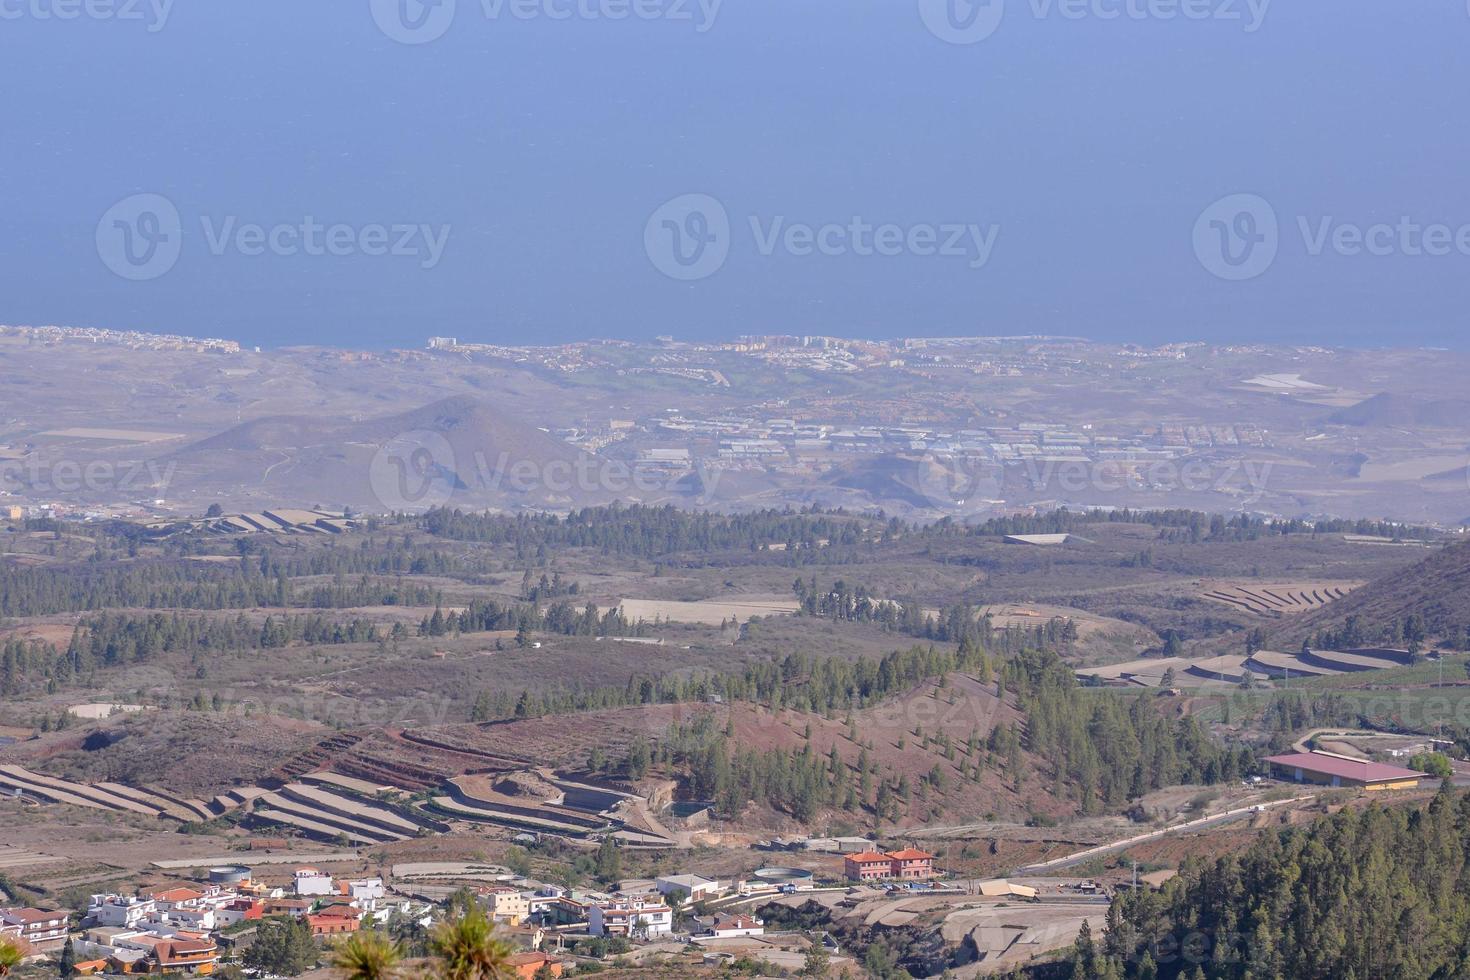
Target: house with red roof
x=867 y=866
x=906 y=865
x=911 y=865
x=39 y=928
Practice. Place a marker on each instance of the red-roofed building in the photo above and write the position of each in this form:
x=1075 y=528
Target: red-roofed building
x=529 y=965
x=35 y=926
x=735 y=926
x=908 y=865
x=333 y=921
x=188 y=955
x=1330 y=769
x=867 y=866
x=911 y=865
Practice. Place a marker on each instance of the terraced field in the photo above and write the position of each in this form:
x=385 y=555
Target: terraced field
x=1277 y=598
x=1324 y=663
x=326 y=807
x=146 y=801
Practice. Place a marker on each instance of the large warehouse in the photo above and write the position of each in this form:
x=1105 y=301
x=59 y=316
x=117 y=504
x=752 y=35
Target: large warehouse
x=1330 y=769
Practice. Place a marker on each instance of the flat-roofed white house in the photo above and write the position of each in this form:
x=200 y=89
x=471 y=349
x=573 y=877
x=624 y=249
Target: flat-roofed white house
x=695 y=887
x=636 y=918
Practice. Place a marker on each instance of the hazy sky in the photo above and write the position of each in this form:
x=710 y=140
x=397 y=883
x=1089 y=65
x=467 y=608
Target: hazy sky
x=1041 y=166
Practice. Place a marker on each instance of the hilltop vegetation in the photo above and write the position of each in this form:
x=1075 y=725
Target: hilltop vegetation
x=1432 y=597
x=1379 y=892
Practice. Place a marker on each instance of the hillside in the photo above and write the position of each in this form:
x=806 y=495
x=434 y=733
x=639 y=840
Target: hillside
x=1436 y=589
x=1389 y=409
x=458 y=451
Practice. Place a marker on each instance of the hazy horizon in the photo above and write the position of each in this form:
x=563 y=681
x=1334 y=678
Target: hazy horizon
x=1077 y=173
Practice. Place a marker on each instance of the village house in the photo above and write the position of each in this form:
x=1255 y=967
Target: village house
x=310 y=881
x=127 y=911
x=506 y=905
x=41 y=929
x=294 y=907
x=559 y=909
x=695 y=888
x=734 y=926
x=529 y=966
x=647 y=919
x=240 y=910
x=365 y=893
x=197 y=954
x=334 y=920
x=134 y=952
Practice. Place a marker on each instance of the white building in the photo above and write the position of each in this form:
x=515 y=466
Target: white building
x=696 y=888
x=365 y=892
x=734 y=926
x=644 y=919
x=127 y=911
x=310 y=881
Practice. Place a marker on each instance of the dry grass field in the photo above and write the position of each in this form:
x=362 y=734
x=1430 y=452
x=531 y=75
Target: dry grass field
x=708 y=613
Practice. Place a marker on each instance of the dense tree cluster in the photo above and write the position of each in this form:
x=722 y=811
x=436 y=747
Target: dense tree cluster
x=173 y=584
x=956 y=623
x=647 y=532
x=120 y=639
x=1377 y=892
x=1185 y=525
x=487 y=615
x=1108 y=748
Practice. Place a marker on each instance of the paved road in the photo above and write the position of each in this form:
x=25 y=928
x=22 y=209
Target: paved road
x=1199 y=824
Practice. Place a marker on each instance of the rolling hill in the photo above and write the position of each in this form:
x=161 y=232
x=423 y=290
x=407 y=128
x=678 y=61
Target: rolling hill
x=457 y=452
x=1390 y=410
x=1436 y=589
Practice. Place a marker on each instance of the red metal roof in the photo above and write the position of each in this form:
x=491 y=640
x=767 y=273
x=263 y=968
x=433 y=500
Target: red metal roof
x=1331 y=765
